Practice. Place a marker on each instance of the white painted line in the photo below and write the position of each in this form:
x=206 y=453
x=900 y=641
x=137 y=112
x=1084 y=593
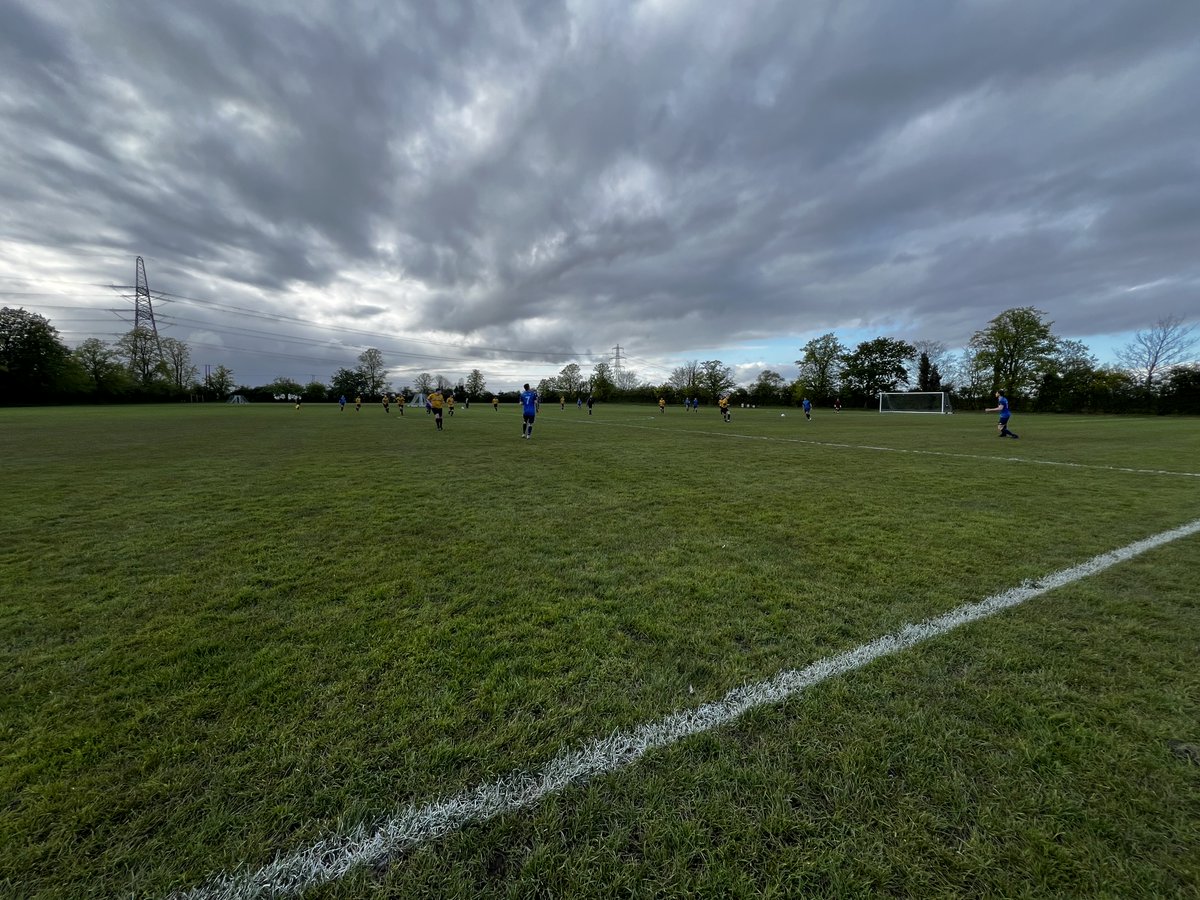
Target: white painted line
x=944 y=453
x=335 y=856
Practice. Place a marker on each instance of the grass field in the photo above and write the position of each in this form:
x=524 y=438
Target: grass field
x=231 y=632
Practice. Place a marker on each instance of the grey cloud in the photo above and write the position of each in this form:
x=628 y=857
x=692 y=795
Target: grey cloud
x=717 y=175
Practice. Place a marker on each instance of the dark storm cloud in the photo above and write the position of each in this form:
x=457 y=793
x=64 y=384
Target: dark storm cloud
x=567 y=177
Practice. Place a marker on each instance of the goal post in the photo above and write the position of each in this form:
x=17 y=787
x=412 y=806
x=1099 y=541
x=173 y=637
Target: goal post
x=935 y=402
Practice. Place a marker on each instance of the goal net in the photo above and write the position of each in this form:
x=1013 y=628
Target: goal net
x=915 y=402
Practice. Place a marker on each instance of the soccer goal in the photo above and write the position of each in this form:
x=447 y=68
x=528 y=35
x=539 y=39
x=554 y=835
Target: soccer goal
x=916 y=402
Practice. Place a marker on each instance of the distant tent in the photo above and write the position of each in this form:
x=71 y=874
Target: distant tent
x=237 y=398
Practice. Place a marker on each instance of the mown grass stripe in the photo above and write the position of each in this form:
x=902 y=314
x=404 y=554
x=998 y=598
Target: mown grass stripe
x=335 y=856
x=943 y=453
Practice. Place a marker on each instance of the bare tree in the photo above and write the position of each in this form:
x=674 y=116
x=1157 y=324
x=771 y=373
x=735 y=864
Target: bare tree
x=686 y=378
x=1157 y=349
x=140 y=351
x=628 y=380
x=373 y=371
x=178 y=359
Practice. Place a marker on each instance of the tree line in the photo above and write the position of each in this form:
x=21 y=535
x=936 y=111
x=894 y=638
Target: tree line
x=1016 y=352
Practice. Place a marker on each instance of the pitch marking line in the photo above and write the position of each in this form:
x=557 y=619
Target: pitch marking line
x=1016 y=459
x=335 y=856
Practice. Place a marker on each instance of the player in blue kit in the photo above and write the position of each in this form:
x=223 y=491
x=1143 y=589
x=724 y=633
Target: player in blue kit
x=807 y=408
x=529 y=405
x=1002 y=408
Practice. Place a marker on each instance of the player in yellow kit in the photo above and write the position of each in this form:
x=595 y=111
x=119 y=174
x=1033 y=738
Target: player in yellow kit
x=436 y=402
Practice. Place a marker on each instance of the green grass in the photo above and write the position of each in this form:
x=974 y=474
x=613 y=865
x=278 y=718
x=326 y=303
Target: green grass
x=228 y=632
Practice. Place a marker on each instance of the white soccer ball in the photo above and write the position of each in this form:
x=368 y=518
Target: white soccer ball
x=781 y=415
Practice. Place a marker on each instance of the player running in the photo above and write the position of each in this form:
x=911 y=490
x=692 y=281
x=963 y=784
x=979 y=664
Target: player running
x=436 y=401
x=1002 y=408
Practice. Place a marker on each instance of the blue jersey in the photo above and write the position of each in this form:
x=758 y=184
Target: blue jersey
x=807 y=406
x=529 y=402
x=1003 y=404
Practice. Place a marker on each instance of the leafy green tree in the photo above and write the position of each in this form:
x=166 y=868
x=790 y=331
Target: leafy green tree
x=1181 y=391
x=820 y=367
x=283 y=388
x=768 y=388
x=601 y=384
x=876 y=365
x=570 y=380
x=1066 y=384
x=349 y=383
x=1014 y=350
x=928 y=376
x=220 y=382
x=714 y=378
x=106 y=376
x=315 y=392
x=34 y=362
x=476 y=387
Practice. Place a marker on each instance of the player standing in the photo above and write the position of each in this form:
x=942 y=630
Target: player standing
x=529 y=406
x=723 y=403
x=807 y=408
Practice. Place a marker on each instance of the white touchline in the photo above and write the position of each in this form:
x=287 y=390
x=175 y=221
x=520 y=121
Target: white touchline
x=874 y=449
x=334 y=856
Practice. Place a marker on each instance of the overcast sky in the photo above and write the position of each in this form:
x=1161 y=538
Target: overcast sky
x=512 y=186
